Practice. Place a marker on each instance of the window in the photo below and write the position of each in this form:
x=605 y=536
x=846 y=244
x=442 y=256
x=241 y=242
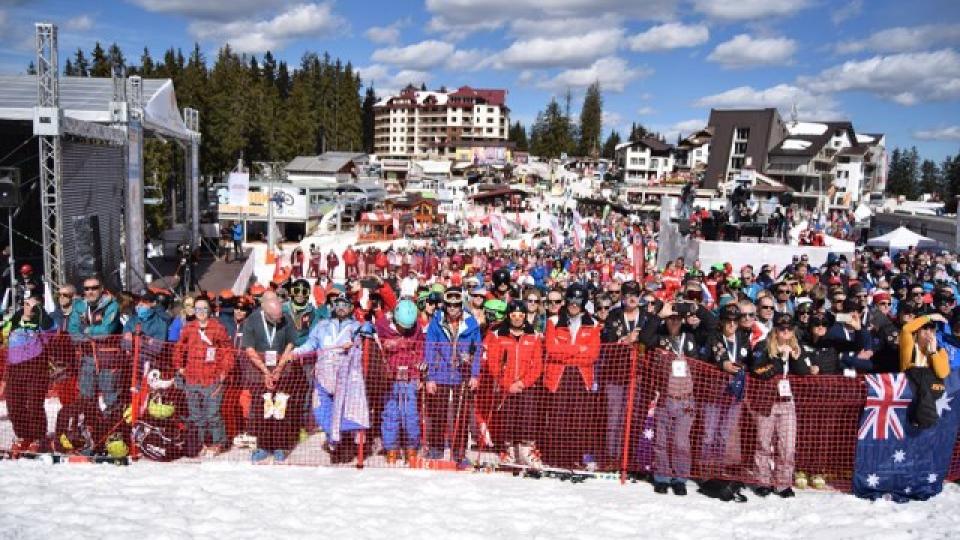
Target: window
x=654 y=163
x=634 y=161
x=742 y=134
x=698 y=153
x=490 y=110
x=740 y=148
x=642 y=161
x=489 y=130
x=736 y=163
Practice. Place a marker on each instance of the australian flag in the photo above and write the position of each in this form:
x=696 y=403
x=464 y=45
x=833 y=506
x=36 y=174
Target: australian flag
x=894 y=459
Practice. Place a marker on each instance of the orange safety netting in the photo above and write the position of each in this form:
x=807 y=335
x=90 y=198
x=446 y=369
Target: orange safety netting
x=619 y=410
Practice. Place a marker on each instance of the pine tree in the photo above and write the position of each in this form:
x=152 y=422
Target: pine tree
x=269 y=68
x=116 y=60
x=637 y=132
x=31 y=68
x=517 y=134
x=80 y=64
x=68 y=69
x=899 y=178
x=100 y=65
x=283 y=80
x=591 y=122
x=930 y=180
x=610 y=145
x=369 y=137
x=950 y=171
x=146 y=64
x=227 y=115
x=551 y=135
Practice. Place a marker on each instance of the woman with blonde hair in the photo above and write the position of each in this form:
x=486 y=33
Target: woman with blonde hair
x=773 y=408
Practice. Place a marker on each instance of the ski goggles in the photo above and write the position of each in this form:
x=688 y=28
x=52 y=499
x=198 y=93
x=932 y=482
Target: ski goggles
x=301 y=290
x=453 y=297
x=342 y=302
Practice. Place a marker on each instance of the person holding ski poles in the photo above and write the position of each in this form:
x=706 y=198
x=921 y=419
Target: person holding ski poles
x=340 y=390
x=452 y=354
x=402 y=342
x=515 y=361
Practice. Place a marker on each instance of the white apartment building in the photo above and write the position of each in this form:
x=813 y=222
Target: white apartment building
x=417 y=124
x=693 y=152
x=645 y=161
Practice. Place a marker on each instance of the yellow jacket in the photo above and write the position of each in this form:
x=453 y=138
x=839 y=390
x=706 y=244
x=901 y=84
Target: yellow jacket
x=908 y=346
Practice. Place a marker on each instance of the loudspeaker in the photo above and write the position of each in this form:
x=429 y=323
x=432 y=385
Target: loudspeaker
x=9 y=187
x=87 y=239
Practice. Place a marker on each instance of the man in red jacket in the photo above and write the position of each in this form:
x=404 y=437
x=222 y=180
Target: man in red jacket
x=573 y=346
x=515 y=362
x=349 y=262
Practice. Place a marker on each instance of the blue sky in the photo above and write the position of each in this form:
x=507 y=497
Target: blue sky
x=889 y=66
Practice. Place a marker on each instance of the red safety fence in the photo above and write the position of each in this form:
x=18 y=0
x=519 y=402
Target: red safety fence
x=406 y=403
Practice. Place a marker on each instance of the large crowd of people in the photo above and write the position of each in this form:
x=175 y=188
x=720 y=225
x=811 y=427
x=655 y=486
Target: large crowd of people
x=522 y=352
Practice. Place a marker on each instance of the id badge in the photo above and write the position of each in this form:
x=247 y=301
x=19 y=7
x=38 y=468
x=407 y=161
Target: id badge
x=211 y=355
x=403 y=374
x=783 y=388
x=679 y=368
x=852 y=373
x=270 y=358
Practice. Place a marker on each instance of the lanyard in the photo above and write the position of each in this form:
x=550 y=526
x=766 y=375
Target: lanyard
x=266 y=330
x=631 y=325
x=679 y=350
x=731 y=352
x=203 y=336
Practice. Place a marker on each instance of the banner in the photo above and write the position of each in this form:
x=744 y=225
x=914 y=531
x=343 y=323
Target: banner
x=496 y=230
x=238 y=185
x=638 y=258
x=555 y=232
x=578 y=233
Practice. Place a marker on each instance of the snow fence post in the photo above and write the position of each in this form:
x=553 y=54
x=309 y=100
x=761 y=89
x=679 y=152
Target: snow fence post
x=134 y=392
x=362 y=435
x=627 y=428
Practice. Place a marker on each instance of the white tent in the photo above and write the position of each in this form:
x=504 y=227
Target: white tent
x=902 y=238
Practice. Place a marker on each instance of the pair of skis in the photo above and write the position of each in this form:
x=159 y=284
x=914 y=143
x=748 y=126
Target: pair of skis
x=574 y=476
x=56 y=458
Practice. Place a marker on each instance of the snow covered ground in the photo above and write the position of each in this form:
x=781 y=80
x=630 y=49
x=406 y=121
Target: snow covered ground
x=149 y=500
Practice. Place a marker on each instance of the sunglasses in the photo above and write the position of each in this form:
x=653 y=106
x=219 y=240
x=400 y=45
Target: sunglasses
x=783 y=291
x=750 y=315
x=533 y=300
x=766 y=307
x=883 y=304
x=555 y=302
x=299 y=290
x=91 y=288
x=614 y=291
x=603 y=307
x=66 y=295
x=919 y=293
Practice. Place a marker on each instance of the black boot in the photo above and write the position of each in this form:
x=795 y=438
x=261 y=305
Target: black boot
x=762 y=491
x=787 y=493
x=679 y=488
x=661 y=487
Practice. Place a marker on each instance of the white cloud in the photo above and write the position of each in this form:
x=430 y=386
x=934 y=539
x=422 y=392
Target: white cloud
x=670 y=36
x=212 y=9
x=386 y=35
x=389 y=83
x=573 y=51
x=470 y=60
x=79 y=23
x=848 y=11
x=459 y=18
x=749 y=9
x=418 y=56
x=744 y=51
x=906 y=78
x=810 y=105
x=905 y=39
x=681 y=128
x=612 y=120
x=562 y=26
x=646 y=110
x=950 y=133
x=304 y=20
x=613 y=74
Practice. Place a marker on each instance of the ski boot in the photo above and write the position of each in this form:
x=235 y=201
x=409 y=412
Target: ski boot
x=392 y=457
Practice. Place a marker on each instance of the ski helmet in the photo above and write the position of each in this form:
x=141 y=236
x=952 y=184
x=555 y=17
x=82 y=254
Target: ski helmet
x=116 y=447
x=158 y=409
x=405 y=314
x=495 y=309
x=156 y=381
x=501 y=276
x=576 y=293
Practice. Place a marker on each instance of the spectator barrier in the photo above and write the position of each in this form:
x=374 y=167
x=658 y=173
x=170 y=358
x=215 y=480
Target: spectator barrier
x=620 y=411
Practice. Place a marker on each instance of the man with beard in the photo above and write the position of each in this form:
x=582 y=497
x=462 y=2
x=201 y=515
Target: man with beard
x=340 y=391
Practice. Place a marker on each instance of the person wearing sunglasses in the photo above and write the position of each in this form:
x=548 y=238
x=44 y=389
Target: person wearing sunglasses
x=92 y=318
x=631 y=325
x=66 y=295
x=536 y=317
x=783 y=303
x=554 y=304
x=203 y=357
x=336 y=348
x=453 y=355
x=573 y=346
x=775 y=414
x=428 y=304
